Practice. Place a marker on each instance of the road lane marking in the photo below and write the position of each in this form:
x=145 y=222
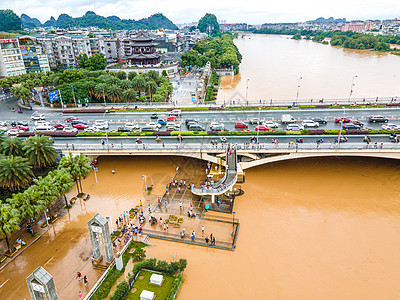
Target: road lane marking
x=4 y=283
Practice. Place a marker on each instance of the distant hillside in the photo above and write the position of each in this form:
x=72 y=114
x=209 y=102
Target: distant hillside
x=29 y=22
x=329 y=20
x=112 y=22
x=9 y=20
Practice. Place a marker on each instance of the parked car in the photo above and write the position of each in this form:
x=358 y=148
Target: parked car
x=80 y=126
x=320 y=120
x=262 y=128
x=351 y=126
x=161 y=122
x=154 y=116
x=2 y=124
x=71 y=118
x=380 y=119
x=132 y=126
x=123 y=129
x=309 y=123
x=294 y=127
x=3 y=128
x=60 y=126
x=101 y=124
x=42 y=123
x=343 y=120
x=170 y=118
x=271 y=124
x=391 y=126
x=172 y=126
x=192 y=123
x=37 y=116
x=69 y=129
x=255 y=121
x=23 y=123
x=241 y=125
x=44 y=127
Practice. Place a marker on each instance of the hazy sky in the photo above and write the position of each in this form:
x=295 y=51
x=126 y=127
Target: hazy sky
x=183 y=11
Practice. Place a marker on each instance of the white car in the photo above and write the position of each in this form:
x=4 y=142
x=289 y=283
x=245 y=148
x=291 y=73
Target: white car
x=255 y=121
x=101 y=124
x=153 y=124
x=132 y=126
x=36 y=116
x=42 y=123
x=69 y=129
x=13 y=131
x=271 y=124
x=92 y=129
x=310 y=123
x=3 y=124
x=294 y=127
x=391 y=126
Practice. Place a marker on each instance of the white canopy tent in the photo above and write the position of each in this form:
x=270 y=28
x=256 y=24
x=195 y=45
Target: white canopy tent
x=156 y=279
x=146 y=295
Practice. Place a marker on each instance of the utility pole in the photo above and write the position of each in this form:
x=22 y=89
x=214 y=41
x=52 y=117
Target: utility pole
x=298 y=88
x=351 y=87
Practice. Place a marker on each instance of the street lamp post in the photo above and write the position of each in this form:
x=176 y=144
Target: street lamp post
x=95 y=173
x=104 y=97
x=145 y=181
x=73 y=94
x=247 y=90
x=351 y=87
x=298 y=89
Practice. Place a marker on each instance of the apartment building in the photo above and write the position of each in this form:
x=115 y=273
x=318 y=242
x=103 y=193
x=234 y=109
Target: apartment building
x=35 y=60
x=11 y=62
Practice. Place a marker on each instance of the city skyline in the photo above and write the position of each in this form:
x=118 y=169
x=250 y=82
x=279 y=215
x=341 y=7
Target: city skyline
x=178 y=11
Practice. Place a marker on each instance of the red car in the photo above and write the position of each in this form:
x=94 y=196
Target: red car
x=59 y=126
x=70 y=119
x=241 y=125
x=262 y=128
x=170 y=118
x=80 y=126
x=23 y=128
x=342 y=119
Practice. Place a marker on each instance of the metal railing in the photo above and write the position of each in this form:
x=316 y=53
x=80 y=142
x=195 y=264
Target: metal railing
x=261 y=147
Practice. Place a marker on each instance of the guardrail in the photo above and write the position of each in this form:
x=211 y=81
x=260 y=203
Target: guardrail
x=161 y=148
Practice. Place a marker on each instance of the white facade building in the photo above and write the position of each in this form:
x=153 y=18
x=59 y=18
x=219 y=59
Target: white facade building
x=11 y=62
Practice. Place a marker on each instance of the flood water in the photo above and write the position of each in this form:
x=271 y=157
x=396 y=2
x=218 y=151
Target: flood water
x=310 y=229
x=273 y=65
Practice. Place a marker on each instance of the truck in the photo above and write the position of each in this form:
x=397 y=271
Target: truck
x=287 y=119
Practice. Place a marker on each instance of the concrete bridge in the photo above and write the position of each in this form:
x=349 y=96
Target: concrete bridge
x=248 y=155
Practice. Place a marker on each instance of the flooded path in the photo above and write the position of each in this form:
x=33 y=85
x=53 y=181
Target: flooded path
x=310 y=229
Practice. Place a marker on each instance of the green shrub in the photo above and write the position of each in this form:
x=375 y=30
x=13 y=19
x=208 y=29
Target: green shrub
x=120 y=292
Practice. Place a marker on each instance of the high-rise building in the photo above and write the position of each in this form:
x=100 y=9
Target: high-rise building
x=11 y=62
x=35 y=60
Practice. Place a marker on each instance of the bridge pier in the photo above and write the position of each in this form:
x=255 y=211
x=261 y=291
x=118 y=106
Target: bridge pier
x=212 y=199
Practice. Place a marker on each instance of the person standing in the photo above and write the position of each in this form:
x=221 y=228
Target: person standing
x=80 y=295
x=85 y=280
x=202 y=229
x=79 y=276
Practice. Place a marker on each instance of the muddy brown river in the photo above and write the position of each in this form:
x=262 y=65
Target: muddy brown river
x=310 y=229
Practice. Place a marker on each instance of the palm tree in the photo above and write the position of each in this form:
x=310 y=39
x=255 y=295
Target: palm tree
x=27 y=203
x=9 y=221
x=12 y=147
x=78 y=166
x=15 y=172
x=62 y=182
x=40 y=151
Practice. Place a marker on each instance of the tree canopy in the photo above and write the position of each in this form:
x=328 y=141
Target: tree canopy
x=9 y=20
x=208 y=23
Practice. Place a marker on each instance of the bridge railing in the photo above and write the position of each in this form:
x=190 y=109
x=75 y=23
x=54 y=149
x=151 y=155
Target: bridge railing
x=285 y=147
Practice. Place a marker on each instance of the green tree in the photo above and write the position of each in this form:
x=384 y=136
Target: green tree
x=22 y=92
x=297 y=36
x=62 y=182
x=164 y=73
x=132 y=75
x=12 y=147
x=15 y=173
x=9 y=221
x=28 y=203
x=208 y=24
x=40 y=151
x=9 y=20
x=78 y=166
